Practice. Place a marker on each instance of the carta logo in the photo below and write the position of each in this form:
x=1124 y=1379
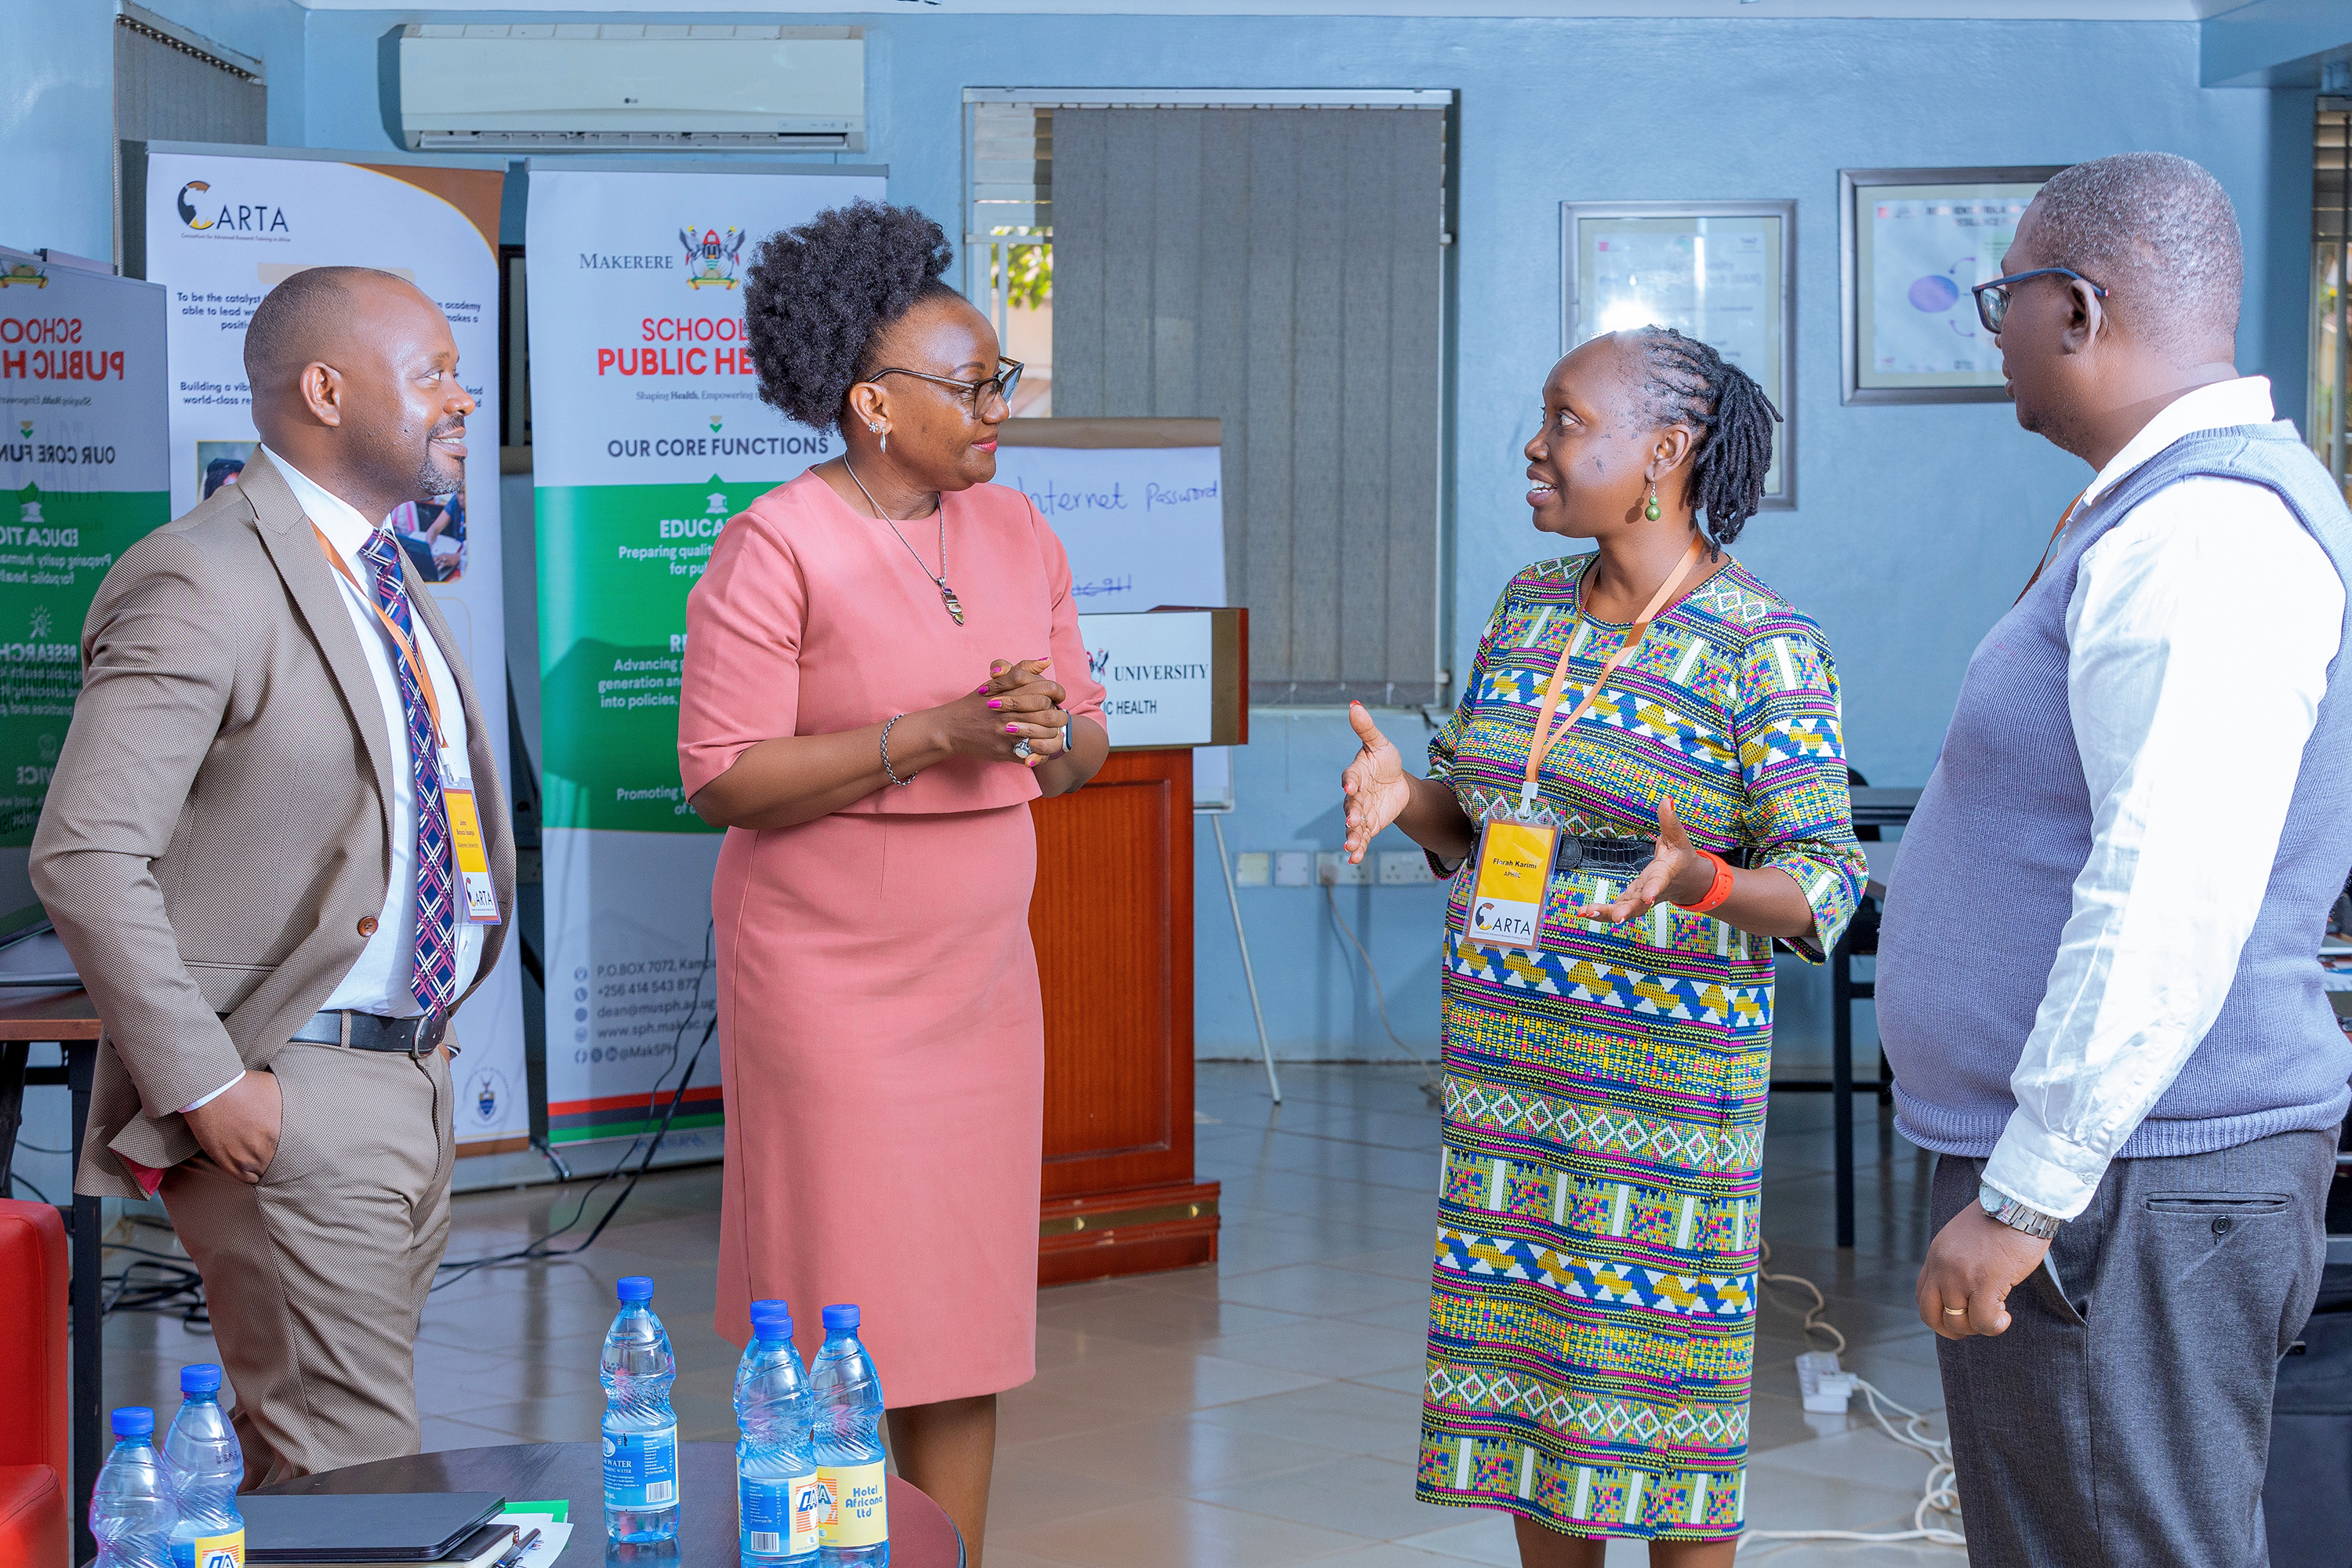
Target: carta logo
x=202 y=214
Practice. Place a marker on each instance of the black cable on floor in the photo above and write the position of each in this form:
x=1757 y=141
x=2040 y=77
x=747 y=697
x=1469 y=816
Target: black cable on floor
x=538 y=1249
x=28 y=1186
x=158 y=1283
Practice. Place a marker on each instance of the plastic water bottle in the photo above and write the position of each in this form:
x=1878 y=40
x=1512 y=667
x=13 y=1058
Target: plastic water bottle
x=751 y=1350
x=640 y=1429
x=204 y=1463
x=131 y=1512
x=777 y=1496
x=856 y=1526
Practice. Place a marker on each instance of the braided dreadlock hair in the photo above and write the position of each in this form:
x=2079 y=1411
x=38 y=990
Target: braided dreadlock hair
x=1689 y=384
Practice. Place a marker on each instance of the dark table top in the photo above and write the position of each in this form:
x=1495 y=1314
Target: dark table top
x=1884 y=807
x=922 y=1535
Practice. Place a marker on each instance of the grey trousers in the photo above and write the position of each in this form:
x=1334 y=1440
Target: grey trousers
x=2124 y=1420
x=316 y=1279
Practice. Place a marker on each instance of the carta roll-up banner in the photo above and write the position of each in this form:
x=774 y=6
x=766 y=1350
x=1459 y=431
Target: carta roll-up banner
x=647 y=435
x=81 y=459
x=221 y=227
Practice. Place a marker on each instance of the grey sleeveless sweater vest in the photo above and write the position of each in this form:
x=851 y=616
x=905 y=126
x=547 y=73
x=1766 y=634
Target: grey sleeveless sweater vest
x=1985 y=882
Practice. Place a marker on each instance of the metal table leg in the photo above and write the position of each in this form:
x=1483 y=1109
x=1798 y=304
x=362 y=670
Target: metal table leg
x=89 y=1376
x=1842 y=1081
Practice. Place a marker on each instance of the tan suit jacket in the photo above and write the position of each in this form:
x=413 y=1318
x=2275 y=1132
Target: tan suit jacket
x=220 y=820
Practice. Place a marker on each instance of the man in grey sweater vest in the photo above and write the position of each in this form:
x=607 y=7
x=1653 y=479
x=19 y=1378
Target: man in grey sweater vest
x=2098 y=985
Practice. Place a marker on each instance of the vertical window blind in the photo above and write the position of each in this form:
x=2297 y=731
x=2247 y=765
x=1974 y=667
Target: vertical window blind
x=1279 y=268
x=171 y=85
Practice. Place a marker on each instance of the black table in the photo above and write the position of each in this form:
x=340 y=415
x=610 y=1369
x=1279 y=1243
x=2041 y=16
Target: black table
x=1874 y=810
x=921 y=1534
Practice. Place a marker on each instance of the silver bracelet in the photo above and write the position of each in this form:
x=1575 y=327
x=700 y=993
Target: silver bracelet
x=886 y=768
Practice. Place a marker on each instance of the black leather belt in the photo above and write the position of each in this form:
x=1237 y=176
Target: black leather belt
x=373 y=1032
x=1616 y=858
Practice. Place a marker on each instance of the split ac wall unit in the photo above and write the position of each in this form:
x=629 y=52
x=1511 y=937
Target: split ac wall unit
x=542 y=87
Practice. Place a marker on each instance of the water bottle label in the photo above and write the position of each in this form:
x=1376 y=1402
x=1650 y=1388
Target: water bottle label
x=210 y=1552
x=780 y=1517
x=641 y=1469
x=856 y=1513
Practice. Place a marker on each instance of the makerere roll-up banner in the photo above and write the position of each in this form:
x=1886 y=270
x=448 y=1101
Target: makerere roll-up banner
x=221 y=227
x=81 y=464
x=647 y=435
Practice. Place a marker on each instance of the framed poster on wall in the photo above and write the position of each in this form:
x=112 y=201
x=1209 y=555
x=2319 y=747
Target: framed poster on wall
x=1722 y=272
x=1912 y=243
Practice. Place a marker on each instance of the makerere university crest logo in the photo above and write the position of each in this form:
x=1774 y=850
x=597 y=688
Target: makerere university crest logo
x=712 y=261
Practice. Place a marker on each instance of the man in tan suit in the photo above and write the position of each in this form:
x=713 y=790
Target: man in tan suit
x=254 y=847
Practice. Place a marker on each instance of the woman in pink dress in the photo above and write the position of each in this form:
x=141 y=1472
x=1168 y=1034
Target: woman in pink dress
x=882 y=670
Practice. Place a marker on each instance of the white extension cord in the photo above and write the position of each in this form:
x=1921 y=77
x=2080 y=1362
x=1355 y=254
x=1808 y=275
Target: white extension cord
x=1939 y=1496
x=1429 y=1081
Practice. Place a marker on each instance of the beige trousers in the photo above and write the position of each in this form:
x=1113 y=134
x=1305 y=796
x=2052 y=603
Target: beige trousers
x=317 y=1278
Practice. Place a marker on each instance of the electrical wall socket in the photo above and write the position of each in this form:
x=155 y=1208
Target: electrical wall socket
x=1404 y=868
x=1332 y=870
x=1253 y=868
x=1294 y=868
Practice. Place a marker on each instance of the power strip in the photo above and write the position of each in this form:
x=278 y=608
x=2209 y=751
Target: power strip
x=1827 y=1389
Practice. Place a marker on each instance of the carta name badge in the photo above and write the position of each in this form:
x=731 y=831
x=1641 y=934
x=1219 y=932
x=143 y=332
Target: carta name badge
x=641 y=1469
x=1506 y=895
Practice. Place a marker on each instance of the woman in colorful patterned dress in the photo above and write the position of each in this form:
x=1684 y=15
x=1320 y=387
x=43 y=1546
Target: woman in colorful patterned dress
x=1592 y=1322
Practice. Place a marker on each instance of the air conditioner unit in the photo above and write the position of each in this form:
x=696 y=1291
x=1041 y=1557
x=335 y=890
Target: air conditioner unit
x=540 y=87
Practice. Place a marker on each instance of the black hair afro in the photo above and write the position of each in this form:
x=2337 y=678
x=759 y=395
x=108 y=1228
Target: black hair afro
x=819 y=295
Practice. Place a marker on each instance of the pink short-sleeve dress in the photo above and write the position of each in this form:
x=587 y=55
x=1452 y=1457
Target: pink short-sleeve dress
x=881 y=1034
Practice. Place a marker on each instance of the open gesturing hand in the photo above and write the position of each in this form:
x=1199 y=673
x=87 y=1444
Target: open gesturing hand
x=1678 y=874
x=1376 y=784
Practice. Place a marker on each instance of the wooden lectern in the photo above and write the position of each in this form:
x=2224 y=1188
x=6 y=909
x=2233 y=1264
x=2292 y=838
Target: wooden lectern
x=1112 y=919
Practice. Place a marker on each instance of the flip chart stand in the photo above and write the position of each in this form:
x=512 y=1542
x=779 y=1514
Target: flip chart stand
x=1216 y=816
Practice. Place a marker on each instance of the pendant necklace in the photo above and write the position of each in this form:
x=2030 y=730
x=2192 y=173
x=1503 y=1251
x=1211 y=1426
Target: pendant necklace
x=939 y=578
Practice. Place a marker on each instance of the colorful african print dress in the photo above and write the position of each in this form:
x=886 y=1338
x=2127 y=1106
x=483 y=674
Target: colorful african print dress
x=1592 y=1320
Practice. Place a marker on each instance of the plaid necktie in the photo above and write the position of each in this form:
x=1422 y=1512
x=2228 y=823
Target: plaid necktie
x=433 y=976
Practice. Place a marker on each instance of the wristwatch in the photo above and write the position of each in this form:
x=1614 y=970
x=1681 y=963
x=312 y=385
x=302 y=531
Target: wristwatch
x=2014 y=1215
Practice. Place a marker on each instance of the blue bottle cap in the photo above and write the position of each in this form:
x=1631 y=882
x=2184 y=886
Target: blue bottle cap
x=770 y=1321
x=838 y=1318
x=202 y=1378
x=637 y=1287
x=770 y=1304
x=133 y=1421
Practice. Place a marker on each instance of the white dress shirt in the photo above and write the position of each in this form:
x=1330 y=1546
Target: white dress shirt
x=378 y=983
x=2207 y=611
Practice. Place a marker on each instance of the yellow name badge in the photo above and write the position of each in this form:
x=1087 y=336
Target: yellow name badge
x=476 y=893
x=1507 y=895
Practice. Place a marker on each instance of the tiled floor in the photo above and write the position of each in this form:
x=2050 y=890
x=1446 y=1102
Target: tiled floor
x=1258 y=1414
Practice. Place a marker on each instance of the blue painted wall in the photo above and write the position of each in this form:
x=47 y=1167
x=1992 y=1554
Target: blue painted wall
x=56 y=99
x=1915 y=526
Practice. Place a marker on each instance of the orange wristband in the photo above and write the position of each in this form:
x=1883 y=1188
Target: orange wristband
x=1717 y=891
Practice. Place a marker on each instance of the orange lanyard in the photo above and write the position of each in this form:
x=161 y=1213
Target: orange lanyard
x=2064 y=519
x=1547 y=733
x=400 y=639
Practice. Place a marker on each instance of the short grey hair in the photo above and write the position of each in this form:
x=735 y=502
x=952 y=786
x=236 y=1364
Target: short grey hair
x=2159 y=232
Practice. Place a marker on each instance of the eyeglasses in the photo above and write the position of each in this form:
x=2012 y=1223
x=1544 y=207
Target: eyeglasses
x=1000 y=386
x=1993 y=299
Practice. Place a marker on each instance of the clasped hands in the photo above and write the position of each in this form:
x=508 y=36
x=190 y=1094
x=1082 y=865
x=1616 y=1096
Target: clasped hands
x=1018 y=703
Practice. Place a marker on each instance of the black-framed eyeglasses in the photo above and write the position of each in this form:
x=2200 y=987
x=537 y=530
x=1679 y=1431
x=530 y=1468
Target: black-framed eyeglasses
x=1000 y=385
x=1993 y=299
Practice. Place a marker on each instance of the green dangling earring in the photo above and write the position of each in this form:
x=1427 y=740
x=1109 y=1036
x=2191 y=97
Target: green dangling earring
x=1651 y=511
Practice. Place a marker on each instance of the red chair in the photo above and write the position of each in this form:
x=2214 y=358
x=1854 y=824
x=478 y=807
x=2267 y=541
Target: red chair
x=35 y=1445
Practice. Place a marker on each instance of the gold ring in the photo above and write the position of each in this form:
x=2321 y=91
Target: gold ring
x=1956 y=1311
